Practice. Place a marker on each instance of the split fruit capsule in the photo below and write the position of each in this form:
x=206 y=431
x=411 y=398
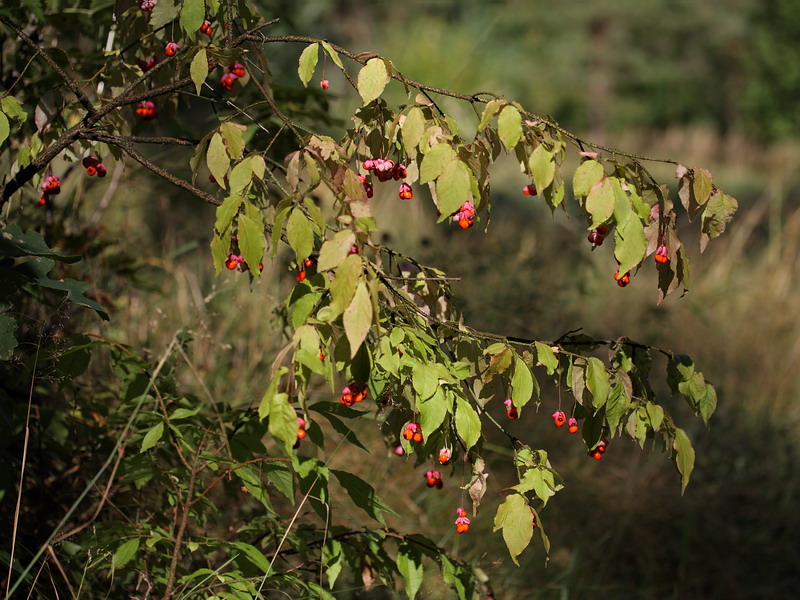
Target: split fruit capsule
x=559 y=418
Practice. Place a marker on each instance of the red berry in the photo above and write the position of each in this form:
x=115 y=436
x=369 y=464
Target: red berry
x=662 y=254
x=405 y=192
x=42 y=201
x=237 y=69
x=91 y=171
x=595 y=239
x=324 y=84
x=90 y=161
x=573 y=425
x=559 y=418
x=101 y=170
x=529 y=190
x=308 y=262
x=232 y=262
x=206 y=27
x=301 y=276
x=171 y=49
x=228 y=80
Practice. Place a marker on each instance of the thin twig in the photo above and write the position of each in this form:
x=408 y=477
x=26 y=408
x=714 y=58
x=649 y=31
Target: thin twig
x=69 y=81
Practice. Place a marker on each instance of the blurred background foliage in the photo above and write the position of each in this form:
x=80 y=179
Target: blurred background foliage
x=710 y=83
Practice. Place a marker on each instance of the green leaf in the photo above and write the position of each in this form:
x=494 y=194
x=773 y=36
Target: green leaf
x=16 y=243
x=707 y=404
x=192 y=14
x=597 y=381
x=344 y=285
x=432 y=411
x=266 y=401
x=125 y=553
x=435 y=162
x=542 y=166
x=425 y=380
x=546 y=357
x=183 y=413
x=251 y=242
x=334 y=56
x=220 y=246
x=363 y=495
x=358 y=318
x=616 y=406
x=522 y=384
x=308 y=63
x=335 y=250
x=300 y=234
x=655 y=414
x=152 y=437
x=468 y=423
x=241 y=175
x=509 y=127
x=631 y=243
x=515 y=518
x=36 y=272
x=453 y=188
x=587 y=175
x=600 y=203
x=372 y=79
x=225 y=213
x=413 y=128
x=164 y=12
x=233 y=136
x=253 y=554
x=489 y=112
x=8 y=326
x=12 y=107
x=409 y=563
x=4 y=128
x=217 y=159
x=199 y=69
x=684 y=457
x=283 y=420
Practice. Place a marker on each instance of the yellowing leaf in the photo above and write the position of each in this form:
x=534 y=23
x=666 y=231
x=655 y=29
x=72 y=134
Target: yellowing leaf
x=4 y=128
x=509 y=127
x=542 y=166
x=489 y=112
x=413 y=128
x=358 y=318
x=684 y=456
x=515 y=518
x=300 y=234
x=217 y=159
x=631 y=243
x=453 y=188
x=372 y=79
x=597 y=381
x=435 y=162
x=335 y=250
x=308 y=63
x=586 y=176
x=251 y=242
x=333 y=54
x=522 y=384
x=547 y=357
x=600 y=202
x=199 y=69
